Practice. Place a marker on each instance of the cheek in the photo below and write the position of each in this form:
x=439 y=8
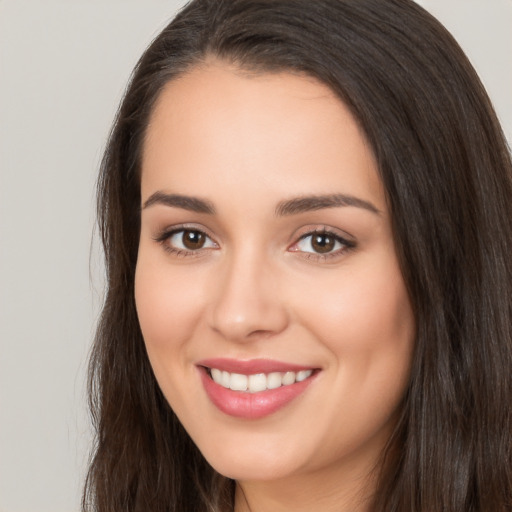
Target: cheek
x=366 y=322
x=367 y=310
x=168 y=307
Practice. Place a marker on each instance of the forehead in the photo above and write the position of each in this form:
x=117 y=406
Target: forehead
x=217 y=126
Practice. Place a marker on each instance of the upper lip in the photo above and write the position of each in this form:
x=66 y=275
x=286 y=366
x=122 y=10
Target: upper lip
x=252 y=366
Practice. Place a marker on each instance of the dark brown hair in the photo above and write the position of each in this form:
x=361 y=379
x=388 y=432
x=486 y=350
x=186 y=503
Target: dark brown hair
x=447 y=172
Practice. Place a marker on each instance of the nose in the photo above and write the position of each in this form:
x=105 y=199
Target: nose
x=247 y=303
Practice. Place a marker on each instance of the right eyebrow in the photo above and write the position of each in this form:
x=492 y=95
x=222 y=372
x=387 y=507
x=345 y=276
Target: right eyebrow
x=190 y=203
x=312 y=203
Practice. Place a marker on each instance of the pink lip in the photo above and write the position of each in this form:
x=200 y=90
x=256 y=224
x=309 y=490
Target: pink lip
x=246 y=405
x=251 y=366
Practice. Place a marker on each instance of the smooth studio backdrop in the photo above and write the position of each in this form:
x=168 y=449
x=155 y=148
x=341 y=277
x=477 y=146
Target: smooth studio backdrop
x=63 y=68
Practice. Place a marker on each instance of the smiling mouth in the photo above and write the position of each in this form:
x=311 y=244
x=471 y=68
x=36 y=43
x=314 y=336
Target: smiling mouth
x=257 y=382
x=253 y=389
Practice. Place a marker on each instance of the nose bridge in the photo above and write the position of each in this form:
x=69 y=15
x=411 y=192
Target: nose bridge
x=247 y=301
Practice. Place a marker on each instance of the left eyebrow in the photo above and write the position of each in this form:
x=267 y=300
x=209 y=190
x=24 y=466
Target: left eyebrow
x=312 y=203
x=193 y=204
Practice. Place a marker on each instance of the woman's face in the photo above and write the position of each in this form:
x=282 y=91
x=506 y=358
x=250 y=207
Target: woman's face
x=268 y=290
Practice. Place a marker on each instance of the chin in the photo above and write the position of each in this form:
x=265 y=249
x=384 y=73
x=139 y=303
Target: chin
x=242 y=466
x=245 y=472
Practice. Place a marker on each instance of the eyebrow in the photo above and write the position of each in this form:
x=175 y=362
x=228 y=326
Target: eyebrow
x=193 y=204
x=319 y=202
x=284 y=208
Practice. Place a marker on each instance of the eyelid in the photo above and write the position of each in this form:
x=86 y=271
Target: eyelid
x=176 y=228
x=323 y=228
x=165 y=234
x=347 y=241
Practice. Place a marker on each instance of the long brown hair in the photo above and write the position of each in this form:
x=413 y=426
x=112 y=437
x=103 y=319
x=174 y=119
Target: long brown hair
x=447 y=172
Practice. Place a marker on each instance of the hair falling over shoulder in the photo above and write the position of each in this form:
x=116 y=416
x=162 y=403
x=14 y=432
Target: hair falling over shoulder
x=447 y=172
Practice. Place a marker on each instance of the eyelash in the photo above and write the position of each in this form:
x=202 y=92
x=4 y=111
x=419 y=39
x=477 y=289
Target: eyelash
x=164 y=237
x=347 y=245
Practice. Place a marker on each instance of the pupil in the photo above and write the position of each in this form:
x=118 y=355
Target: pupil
x=193 y=239
x=322 y=243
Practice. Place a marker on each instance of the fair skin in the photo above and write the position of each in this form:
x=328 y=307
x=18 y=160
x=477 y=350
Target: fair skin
x=312 y=285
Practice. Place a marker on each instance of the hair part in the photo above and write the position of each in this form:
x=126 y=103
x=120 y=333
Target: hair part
x=446 y=169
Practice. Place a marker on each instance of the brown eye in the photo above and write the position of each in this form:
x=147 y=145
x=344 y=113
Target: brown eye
x=187 y=240
x=193 y=240
x=322 y=243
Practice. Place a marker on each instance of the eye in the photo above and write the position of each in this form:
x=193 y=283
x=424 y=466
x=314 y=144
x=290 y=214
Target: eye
x=190 y=240
x=322 y=243
x=185 y=241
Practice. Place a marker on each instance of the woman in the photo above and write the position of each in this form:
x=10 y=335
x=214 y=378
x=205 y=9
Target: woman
x=305 y=209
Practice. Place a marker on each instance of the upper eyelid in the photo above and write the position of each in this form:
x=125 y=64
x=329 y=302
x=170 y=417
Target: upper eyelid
x=348 y=244
x=327 y=233
x=167 y=232
x=323 y=232
x=322 y=229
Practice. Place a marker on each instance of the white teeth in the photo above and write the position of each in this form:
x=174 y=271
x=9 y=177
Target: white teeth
x=225 y=378
x=274 y=380
x=258 y=381
x=216 y=375
x=238 y=382
x=303 y=375
x=288 y=378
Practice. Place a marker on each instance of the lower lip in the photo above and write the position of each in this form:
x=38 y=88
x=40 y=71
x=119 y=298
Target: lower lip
x=252 y=406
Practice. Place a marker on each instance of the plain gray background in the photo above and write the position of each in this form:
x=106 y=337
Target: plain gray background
x=63 y=67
